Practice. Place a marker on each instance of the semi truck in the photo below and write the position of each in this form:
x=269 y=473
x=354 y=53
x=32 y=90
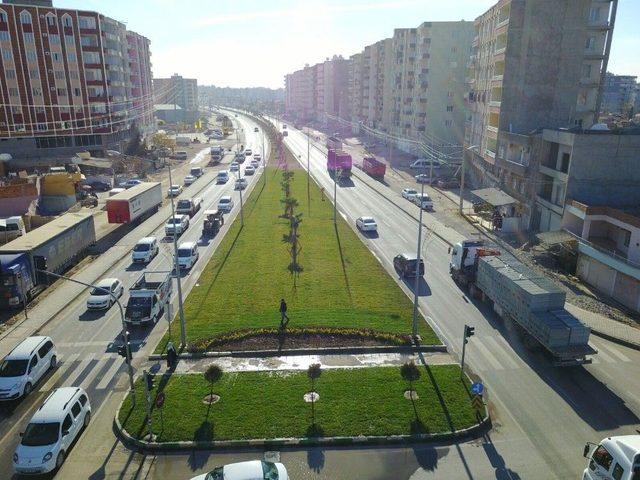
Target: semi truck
x=374 y=168
x=614 y=458
x=53 y=247
x=135 y=203
x=334 y=143
x=217 y=153
x=529 y=300
x=148 y=297
x=339 y=164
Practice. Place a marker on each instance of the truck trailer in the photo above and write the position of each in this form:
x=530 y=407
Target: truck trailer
x=334 y=143
x=518 y=294
x=53 y=247
x=148 y=297
x=339 y=164
x=374 y=168
x=217 y=153
x=135 y=203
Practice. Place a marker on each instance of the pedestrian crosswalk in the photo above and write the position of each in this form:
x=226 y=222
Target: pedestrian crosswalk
x=91 y=370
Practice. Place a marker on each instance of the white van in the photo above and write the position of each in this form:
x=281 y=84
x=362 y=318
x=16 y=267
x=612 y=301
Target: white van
x=187 y=255
x=423 y=201
x=52 y=430
x=25 y=365
x=424 y=163
x=615 y=458
x=11 y=228
x=223 y=176
x=145 y=250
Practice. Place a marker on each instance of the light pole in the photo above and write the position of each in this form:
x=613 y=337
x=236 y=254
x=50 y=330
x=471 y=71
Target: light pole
x=308 y=168
x=240 y=190
x=464 y=163
x=125 y=334
x=414 y=330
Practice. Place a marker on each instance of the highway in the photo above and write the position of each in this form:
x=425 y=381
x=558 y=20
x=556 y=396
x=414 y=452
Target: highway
x=87 y=341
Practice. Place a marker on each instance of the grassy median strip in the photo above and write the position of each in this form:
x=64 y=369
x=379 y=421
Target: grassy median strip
x=341 y=284
x=363 y=401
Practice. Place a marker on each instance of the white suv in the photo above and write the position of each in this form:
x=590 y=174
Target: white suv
x=179 y=224
x=25 y=365
x=52 y=430
x=187 y=254
x=145 y=250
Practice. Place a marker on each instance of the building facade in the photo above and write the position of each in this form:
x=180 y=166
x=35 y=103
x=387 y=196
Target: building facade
x=619 y=94
x=300 y=93
x=527 y=73
x=71 y=80
x=180 y=91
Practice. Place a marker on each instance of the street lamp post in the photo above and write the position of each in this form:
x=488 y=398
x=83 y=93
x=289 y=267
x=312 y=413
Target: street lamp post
x=125 y=334
x=308 y=168
x=414 y=330
x=462 y=171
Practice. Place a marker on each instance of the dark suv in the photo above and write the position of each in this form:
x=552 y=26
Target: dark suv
x=405 y=265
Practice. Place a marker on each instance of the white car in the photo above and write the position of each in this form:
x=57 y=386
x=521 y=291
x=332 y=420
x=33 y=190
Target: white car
x=423 y=201
x=241 y=184
x=249 y=170
x=102 y=296
x=409 y=193
x=51 y=431
x=175 y=190
x=255 y=163
x=25 y=365
x=247 y=152
x=424 y=163
x=177 y=224
x=145 y=250
x=251 y=470
x=187 y=255
x=225 y=204
x=257 y=156
x=234 y=167
x=189 y=180
x=366 y=224
x=130 y=183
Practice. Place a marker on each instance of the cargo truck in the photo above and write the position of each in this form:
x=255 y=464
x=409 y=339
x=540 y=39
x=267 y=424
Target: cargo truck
x=373 y=167
x=148 y=297
x=217 y=153
x=334 y=143
x=54 y=247
x=135 y=203
x=518 y=294
x=339 y=164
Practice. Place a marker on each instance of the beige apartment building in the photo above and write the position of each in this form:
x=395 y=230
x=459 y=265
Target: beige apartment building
x=534 y=64
x=180 y=91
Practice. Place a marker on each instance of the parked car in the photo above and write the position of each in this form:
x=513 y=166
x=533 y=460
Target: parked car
x=225 y=204
x=424 y=163
x=405 y=264
x=409 y=193
x=187 y=254
x=102 y=296
x=423 y=178
x=177 y=224
x=99 y=185
x=423 y=201
x=52 y=430
x=189 y=180
x=234 y=167
x=251 y=470
x=366 y=224
x=25 y=365
x=241 y=184
x=249 y=170
x=175 y=190
x=181 y=155
x=130 y=183
x=196 y=172
x=145 y=250
x=449 y=183
x=223 y=176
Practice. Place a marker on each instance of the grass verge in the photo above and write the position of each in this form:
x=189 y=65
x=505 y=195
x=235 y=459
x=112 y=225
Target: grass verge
x=363 y=401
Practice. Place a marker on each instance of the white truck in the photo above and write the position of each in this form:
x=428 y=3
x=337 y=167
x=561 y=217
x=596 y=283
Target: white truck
x=148 y=297
x=614 y=458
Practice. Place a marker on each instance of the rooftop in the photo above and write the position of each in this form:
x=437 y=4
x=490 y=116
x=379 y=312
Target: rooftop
x=24 y=349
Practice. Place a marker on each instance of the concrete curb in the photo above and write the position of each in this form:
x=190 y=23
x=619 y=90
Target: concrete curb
x=619 y=341
x=309 y=351
x=144 y=446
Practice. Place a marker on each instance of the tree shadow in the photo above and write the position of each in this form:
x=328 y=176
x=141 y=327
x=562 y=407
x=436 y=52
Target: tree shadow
x=497 y=462
x=426 y=456
x=314 y=431
x=436 y=388
x=204 y=433
x=344 y=268
x=315 y=459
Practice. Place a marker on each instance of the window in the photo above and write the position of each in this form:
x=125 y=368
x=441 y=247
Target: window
x=91 y=57
x=594 y=14
x=448 y=123
x=590 y=43
x=37 y=91
x=66 y=21
x=40 y=110
x=34 y=73
x=16 y=110
x=7 y=55
x=72 y=57
x=618 y=471
x=83 y=399
x=564 y=166
x=13 y=92
x=76 y=409
x=66 y=110
x=59 y=74
x=76 y=92
x=69 y=40
x=3 y=17
x=56 y=57
x=586 y=71
x=51 y=20
x=28 y=37
x=54 y=39
x=32 y=56
x=87 y=22
x=11 y=73
x=25 y=18
x=41 y=127
x=454 y=49
x=73 y=74
x=62 y=92
x=45 y=348
x=449 y=94
x=66 y=425
x=601 y=457
x=449 y=108
x=626 y=237
x=4 y=35
x=34 y=362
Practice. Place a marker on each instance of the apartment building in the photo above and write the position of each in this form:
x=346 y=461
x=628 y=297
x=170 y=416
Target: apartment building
x=300 y=93
x=70 y=80
x=354 y=87
x=179 y=91
x=527 y=73
x=619 y=93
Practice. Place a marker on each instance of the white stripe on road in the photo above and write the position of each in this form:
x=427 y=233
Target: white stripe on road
x=79 y=369
x=620 y=356
x=484 y=351
x=93 y=372
x=507 y=353
x=602 y=356
x=110 y=374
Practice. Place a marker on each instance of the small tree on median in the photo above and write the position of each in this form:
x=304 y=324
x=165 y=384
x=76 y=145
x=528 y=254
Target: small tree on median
x=313 y=372
x=212 y=374
x=410 y=372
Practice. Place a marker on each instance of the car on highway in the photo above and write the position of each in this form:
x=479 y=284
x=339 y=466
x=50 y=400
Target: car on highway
x=405 y=264
x=99 y=185
x=130 y=183
x=257 y=156
x=234 y=167
x=251 y=470
x=222 y=177
x=180 y=155
x=52 y=430
x=174 y=190
x=145 y=250
x=284 y=127
x=189 y=180
x=422 y=178
x=285 y=134
x=104 y=294
x=366 y=224
x=424 y=163
x=409 y=193
x=241 y=184
x=423 y=201
x=248 y=152
x=249 y=170
x=187 y=255
x=255 y=163
x=25 y=365
x=256 y=129
x=177 y=224
x=225 y=204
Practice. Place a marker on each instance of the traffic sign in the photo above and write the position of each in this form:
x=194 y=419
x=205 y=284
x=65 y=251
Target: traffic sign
x=477 y=388
x=476 y=402
x=160 y=400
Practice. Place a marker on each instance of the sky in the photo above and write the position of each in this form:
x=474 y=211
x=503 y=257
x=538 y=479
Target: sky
x=249 y=43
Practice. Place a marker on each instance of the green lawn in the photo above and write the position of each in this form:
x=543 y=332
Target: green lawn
x=341 y=285
x=364 y=401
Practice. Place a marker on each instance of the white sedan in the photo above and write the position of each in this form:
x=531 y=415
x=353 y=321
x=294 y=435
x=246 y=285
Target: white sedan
x=366 y=224
x=409 y=193
x=189 y=179
x=175 y=190
x=102 y=296
x=234 y=167
x=251 y=470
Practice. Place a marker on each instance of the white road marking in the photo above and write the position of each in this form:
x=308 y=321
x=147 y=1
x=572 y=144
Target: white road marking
x=488 y=356
x=603 y=356
x=79 y=369
x=109 y=374
x=621 y=356
x=506 y=352
x=93 y=372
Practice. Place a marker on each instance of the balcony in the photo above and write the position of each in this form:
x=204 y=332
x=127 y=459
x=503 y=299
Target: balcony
x=598 y=24
x=495 y=103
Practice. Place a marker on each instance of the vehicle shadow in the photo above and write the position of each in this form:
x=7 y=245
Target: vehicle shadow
x=423 y=287
x=136 y=267
x=93 y=315
x=370 y=234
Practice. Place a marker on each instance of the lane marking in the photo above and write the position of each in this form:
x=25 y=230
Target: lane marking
x=110 y=374
x=78 y=371
x=621 y=356
x=488 y=356
x=604 y=357
x=506 y=353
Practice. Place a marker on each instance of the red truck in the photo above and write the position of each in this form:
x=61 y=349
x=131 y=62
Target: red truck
x=334 y=143
x=339 y=163
x=134 y=203
x=373 y=167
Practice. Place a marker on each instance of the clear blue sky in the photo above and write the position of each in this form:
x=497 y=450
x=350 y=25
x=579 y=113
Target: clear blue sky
x=255 y=42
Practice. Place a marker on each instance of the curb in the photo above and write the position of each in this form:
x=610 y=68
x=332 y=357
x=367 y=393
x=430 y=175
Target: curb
x=308 y=351
x=611 y=338
x=142 y=445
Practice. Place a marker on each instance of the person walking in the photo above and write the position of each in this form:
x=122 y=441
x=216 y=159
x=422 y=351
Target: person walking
x=283 y=313
x=172 y=356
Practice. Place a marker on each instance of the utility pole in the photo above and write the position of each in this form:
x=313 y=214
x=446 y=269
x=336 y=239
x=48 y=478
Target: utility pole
x=468 y=332
x=148 y=385
x=416 y=287
x=462 y=172
x=183 y=330
x=308 y=168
